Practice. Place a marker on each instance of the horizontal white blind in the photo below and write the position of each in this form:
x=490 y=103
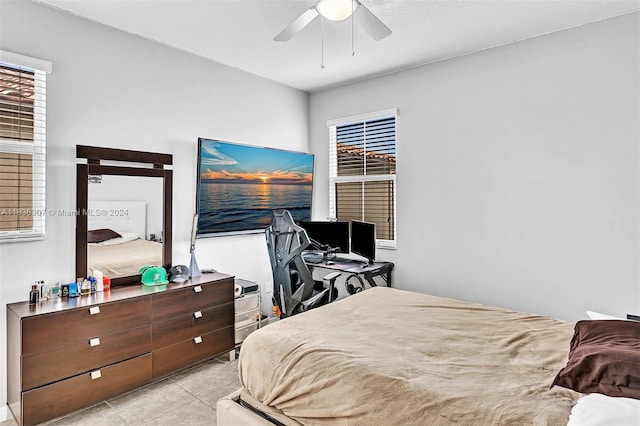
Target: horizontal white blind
x=22 y=152
x=362 y=169
x=367 y=148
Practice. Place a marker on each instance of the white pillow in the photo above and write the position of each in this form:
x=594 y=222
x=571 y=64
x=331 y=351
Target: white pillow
x=596 y=409
x=599 y=316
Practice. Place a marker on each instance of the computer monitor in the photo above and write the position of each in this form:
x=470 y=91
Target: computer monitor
x=363 y=239
x=332 y=235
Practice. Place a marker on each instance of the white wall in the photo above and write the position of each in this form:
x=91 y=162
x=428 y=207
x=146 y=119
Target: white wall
x=112 y=89
x=130 y=188
x=518 y=171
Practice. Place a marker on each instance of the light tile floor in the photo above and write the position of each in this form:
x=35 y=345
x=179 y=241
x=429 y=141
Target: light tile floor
x=186 y=398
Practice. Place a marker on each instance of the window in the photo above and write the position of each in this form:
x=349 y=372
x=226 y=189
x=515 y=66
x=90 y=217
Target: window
x=362 y=171
x=22 y=147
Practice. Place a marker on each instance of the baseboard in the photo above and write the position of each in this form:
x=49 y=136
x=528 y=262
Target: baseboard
x=4 y=413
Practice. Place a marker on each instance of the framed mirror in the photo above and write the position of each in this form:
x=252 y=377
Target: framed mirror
x=124 y=216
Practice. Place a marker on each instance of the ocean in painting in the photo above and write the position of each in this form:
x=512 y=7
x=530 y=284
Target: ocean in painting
x=232 y=207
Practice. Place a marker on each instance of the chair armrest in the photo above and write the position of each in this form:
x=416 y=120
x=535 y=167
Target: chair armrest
x=331 y=278
x=314 y=301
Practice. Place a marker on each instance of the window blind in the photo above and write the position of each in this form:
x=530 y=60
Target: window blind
x=22 y=152
x=362 y=171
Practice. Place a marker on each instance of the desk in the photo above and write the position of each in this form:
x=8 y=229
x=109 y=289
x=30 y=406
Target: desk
x=353 y=266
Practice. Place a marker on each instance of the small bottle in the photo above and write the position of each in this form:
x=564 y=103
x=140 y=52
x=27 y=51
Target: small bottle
x=92 y=284
x=34 y=295
x=85 y=289
x=55 y=290
x=99 y=280
x=44 y=291
x=107 y=283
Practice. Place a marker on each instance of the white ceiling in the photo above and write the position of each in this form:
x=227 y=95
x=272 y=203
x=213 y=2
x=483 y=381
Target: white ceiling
x=240 y=33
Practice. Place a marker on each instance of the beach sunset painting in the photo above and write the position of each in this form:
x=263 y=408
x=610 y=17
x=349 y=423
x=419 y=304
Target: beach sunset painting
x=240 y=185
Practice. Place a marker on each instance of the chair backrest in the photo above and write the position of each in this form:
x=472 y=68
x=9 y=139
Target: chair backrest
x=285 y=243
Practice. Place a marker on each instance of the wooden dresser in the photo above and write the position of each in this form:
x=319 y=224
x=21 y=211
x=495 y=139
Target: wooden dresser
x=64 y=354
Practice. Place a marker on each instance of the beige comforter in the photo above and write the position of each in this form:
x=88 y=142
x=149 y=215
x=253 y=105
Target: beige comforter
x=387 y=356
x=124 y=259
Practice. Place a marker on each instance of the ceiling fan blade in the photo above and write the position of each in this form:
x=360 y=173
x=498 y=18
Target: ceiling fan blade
x=371 y=24
x=298 y=24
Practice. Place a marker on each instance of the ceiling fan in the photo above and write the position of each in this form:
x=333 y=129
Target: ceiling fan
x=337 y=10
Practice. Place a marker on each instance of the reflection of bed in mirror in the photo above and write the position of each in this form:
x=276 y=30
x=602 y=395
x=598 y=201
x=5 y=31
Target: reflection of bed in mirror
x=125 y=250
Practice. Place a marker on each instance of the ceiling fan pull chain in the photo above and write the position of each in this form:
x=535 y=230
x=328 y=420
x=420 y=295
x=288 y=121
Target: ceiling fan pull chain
x=322 y=43
x=353 y=50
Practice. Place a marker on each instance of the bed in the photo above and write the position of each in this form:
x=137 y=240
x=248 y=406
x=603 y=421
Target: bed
x=125 y=256
x=387 y=356
x=118 y=230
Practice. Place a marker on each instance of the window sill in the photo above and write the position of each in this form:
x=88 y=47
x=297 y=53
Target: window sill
x=386 y=245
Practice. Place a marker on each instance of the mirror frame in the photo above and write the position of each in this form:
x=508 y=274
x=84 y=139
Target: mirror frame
x=93 y=166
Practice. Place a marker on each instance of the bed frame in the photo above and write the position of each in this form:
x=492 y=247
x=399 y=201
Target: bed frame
x=229 y=412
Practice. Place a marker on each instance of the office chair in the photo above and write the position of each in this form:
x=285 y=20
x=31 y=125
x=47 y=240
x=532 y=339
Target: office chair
x=294 y=289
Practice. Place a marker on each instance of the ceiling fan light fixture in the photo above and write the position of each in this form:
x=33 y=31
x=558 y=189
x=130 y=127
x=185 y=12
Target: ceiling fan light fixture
x=336 y=10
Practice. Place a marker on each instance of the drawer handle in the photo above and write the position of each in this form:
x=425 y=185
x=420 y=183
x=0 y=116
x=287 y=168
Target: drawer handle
x=96 y=374
x=95 y=341
x=94 y=310
x=197 y=314
x=197 y=289
x=198 y=340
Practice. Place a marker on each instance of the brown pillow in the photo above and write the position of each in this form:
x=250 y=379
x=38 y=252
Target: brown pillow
x=100 y=235
x=604 y=357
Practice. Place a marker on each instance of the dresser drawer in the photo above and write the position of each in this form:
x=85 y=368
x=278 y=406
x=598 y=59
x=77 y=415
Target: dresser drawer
x=172 y=358
x=247 y=302
x=58 y=398
x=241 y=333
x=190 y=325
x=190 y=299
x=46 y=367
x=246 y=318
x=45 y=332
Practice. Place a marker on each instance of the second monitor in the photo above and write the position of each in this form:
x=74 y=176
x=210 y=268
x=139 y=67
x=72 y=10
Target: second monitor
x=363 y=240
x=330 y=237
